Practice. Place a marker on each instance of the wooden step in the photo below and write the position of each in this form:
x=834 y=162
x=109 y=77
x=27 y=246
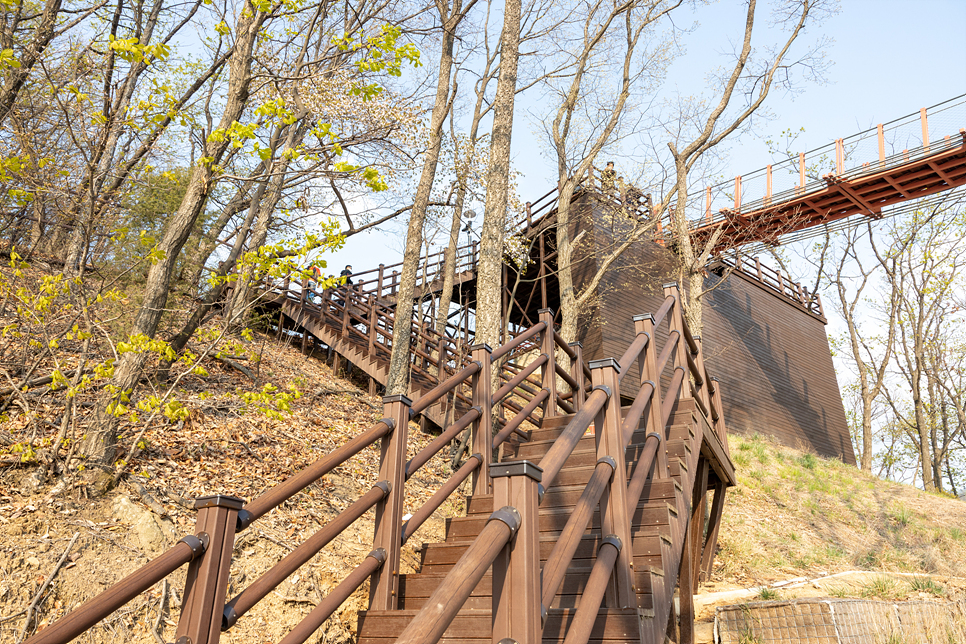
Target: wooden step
x=415 y=589
x=475 y=627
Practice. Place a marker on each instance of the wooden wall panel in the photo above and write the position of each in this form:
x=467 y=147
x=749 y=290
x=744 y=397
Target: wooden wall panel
x=772 y=358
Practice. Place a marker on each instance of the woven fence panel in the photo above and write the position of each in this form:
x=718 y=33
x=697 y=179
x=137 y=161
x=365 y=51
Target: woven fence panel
x=841 y=621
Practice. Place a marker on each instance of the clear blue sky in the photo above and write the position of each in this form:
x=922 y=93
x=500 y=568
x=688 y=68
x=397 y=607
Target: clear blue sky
x=891 y=57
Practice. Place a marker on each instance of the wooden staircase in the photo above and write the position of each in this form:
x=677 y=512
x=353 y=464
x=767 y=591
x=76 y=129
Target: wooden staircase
x=660 y=523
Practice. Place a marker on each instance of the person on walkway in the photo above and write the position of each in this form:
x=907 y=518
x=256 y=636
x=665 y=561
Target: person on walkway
x=607 y=176
x=347 y=274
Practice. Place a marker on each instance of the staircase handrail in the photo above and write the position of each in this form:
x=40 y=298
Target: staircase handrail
x=590 y=601
x=94 y=610
x=446 y=601
x=427 y=509
x=564 y=445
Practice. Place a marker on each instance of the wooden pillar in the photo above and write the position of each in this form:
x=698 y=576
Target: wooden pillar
x=714 y=524
x=384 y=585
x=648 y=362
x=382 y=269
x=614 y=516
x=549 y=369
x=207 y=581
x=482 y=431
x=517 y=608
x=676 y=323
x=738 y=193
x=687 y=583
x=925 y=129
x=577 y=373
x=543 y=274
x=881 y=145
x=801 y=169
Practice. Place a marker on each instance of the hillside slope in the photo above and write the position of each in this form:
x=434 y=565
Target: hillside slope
x=798 y=525
x=793 y=515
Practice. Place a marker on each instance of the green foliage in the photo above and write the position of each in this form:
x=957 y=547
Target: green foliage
x=927 y=585
x=768 y=594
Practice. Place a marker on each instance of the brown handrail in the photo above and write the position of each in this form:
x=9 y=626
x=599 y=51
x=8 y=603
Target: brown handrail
x=308 y=626
x=440 y=609
x=693 y=366
x=444 y=387
x=560 y=342
x=563 y=550
x=670 y=397
x=555 y=458
x=278 y=573
x=633 y=351
x=562 y=372
x=669 y=348
x=518 y=379
x=517 y=341
x=586 y=615
x=426 y=509
x=635 y=487
x=437 y=444
x=518 y=419
x=638 y=407
x=298 y=482
x=663 y=311
x=93 y=611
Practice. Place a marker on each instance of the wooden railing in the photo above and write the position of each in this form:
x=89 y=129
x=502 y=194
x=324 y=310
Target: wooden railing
x=521 y=591
x=776 y=280
x=208 y=552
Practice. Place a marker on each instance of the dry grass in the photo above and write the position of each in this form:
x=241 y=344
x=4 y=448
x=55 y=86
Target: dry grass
x=796 y=514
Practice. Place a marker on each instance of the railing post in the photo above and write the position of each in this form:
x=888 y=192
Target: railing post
x=801 y=169
x=676 y=323
x=373 y=324
x=925 y=129
x=648 y=362
x=703 y=374
x=839 y=156
x=382 y=268
x=207 y=581
x=614 y=516
x=719 y=426
x=549 y=370
x=577 y=372
x=517 y=608
x=482 y=432
x=384 y=586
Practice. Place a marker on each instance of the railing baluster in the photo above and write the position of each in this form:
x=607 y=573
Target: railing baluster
x=577 y=372
x=549 y=372
x=676 y=322
x=649 y=372
x=482 y=431
x=384 y=587
x=517 y=607
x=207 y=581
x=614 y=518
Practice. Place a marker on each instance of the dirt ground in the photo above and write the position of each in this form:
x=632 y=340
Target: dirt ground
x=216 y=451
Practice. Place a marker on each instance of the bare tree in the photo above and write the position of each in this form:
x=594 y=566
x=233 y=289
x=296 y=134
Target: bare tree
x=754 y=80
x=398 y=378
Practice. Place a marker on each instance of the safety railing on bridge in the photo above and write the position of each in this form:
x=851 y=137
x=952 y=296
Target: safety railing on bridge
x=915 y=136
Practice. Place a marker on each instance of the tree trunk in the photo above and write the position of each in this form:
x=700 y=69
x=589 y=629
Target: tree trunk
x=490 y=271
x=100 y=445
x=398 y=377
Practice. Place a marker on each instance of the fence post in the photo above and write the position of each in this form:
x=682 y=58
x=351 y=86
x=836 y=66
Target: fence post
x=705 y=392
x=648 y=362
x=614 y=516
x=517 y=608
x=207 y=581
x=577 y=371
x=482 y=432
x=549 y=369
x=382 y=268
x=676 y=323
x=384 y=586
